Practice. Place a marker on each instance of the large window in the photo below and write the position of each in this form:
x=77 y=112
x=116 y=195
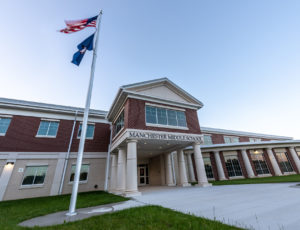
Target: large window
x=34 y=175
x=252 y=139
x=163 y=116
x=4 y=123
x=233 y=166
x=207 y=139
x=208 y=168
x=84 y=171
x=89 y=131
x=284 y=162
x=48 y=128
x=119 y=124
x=259 y=162
x=231 y=139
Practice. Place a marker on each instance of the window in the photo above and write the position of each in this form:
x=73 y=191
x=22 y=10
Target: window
x=48 y=128
x=119 y=124
x=89 y=131
x=84 y=171
x=231 y=139
x=208 y=168
x=34 y=175
x=252 y=139
x=207 y=140
x=259 y=162
x=4 y=123
x=284 y=162
x=163 y=116
x=233 y=166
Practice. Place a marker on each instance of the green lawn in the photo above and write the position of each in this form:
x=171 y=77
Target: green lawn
x=148 y=217
x=273 y=179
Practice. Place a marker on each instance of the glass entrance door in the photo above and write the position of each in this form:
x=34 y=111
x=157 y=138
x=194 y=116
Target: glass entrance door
x=142 y=175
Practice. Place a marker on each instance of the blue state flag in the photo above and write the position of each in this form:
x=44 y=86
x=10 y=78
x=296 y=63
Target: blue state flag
x=87 y=44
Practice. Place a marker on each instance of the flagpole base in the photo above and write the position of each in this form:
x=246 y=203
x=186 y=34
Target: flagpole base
x=71 y=213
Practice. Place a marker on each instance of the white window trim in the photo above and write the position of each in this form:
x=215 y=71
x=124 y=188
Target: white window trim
x=5 y=116
x=87 y=138
x=237 y=177
x=34 y=185
x=115 y=134
x=165 y=106
x=46 y=136
x=231 y=137
x=167 y=126
x=204 y=134
x=80 y=182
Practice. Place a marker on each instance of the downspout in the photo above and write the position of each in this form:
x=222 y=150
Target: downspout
x=68 y=155
x=108 y=160
x=173 y=168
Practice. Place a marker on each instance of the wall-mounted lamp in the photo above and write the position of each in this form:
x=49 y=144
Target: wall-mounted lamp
x=256 y=152
x=10 y=163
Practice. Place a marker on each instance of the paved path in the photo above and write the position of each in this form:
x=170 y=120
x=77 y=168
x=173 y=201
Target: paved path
x=256 y=206
x=82 y=213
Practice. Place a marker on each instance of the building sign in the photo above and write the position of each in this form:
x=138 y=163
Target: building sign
x=163 y=136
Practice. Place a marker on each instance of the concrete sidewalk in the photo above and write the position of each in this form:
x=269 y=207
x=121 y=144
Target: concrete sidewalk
x=82 y=213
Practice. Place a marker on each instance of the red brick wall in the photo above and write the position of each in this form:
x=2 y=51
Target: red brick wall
x=21 y=133
x=136 y=118
x=219 y=138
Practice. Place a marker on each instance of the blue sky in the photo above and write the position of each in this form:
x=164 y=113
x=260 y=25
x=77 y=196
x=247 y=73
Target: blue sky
x=240 y=58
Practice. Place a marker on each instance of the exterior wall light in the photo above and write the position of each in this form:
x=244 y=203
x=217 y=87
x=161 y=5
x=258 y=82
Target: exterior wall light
x=10 y=163
x=256 y=152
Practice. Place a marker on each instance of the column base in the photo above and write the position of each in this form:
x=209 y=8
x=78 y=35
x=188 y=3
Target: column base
x=184 y=185
x=203 y=185
x=132 y=194
x=119 y=192
x=170 y=185
x=223 y=179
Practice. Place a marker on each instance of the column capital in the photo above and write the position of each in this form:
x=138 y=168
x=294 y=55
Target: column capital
x=131 y=140
x=270 y=149
x=243 y=149
x=216 y=152
x=292 y=148
x=196 y=143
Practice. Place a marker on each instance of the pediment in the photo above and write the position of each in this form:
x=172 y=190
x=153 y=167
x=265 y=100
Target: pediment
x=162 y=88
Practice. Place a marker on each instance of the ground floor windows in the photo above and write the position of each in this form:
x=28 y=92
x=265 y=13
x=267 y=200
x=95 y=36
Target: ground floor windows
x=143 y=174
x=208 y=168
x=84 y=171
x=233 y=166
x=284 y=162
x=259 y=162
x=34 y=175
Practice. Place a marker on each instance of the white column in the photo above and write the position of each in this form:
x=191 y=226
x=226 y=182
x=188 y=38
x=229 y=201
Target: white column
x=183 y=181
x=113 y=175
x=202 y=178
x=168 y=167
x=247 y=164
x=5 y=177
x=131 y=169
x=191 y=167
x=121 y=171
x=219 y=166
x=58 y=174
x=295 y=157
x=274 y=162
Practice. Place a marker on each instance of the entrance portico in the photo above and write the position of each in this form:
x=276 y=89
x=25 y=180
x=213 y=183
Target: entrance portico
x=144 y=157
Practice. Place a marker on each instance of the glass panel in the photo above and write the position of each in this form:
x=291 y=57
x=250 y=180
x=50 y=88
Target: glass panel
x=207 y=140
x=260 y=164
x=227 y=140
x=119 y=123
x=40 y=174
x=181 y=119
x=43 y=129
x=284 y=162
x=53 y=128
x=142 y=180
x=4 y=123
x=208 y=167
x=233 y=166
x=172 y=118
x=235 y=139
x=89 y=131
x=142 y=172
x=34 y=175
x=162 y=116
x=151 y=115
x=83 y=172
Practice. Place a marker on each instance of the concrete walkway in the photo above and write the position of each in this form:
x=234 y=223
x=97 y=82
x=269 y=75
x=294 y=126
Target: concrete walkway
x=82 y=213
x=255 y=206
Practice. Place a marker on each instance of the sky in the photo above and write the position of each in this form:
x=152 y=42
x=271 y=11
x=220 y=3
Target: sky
x=240 y=58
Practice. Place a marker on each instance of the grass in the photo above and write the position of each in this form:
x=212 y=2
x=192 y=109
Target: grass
x=16 y=211
x=273 y=179
x=147 y=217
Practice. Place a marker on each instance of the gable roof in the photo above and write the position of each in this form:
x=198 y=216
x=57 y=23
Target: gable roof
x=144 y=90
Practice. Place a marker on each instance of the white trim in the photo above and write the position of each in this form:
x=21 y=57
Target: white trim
x=242 y=133
x=47 y=119
x=47 y=136
x=5 y=116
x=165 y=106
x=33 y=185
x=167 y=126
x=236 y=177
x=119 y=113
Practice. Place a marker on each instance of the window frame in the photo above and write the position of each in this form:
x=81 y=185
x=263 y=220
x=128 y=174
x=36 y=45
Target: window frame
x=233 y=167
x=254 y=139
x=166 y=108
x=210 y=136
x=34 y=185
x=114 y=122
x=87 y=138
x=80 y=182
x=6 y=117
x=47 y=136
x=231 y=139
x=255 y=154
x=211 y=175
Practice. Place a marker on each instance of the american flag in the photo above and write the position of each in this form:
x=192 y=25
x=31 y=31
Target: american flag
x=77 y=25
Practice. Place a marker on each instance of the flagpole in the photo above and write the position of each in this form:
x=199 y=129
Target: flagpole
x=84 y=124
